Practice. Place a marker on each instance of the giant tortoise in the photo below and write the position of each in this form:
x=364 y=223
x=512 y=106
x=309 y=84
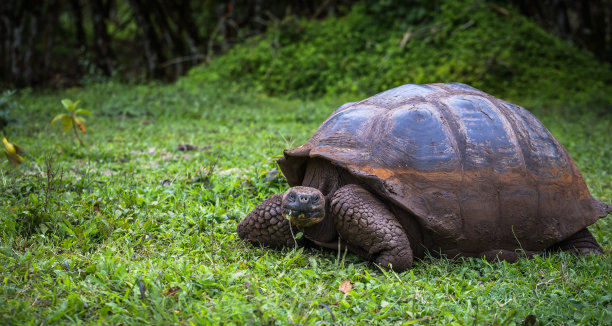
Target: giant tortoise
x=440 y=167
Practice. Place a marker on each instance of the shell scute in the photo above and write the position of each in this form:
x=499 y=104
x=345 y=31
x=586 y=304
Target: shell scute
x=417 y=139
x=489 y=137
x=543 y=153
x=397 y=96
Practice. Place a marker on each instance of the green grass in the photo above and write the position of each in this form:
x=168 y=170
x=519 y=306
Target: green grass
x=140 y=232
x=134 y=231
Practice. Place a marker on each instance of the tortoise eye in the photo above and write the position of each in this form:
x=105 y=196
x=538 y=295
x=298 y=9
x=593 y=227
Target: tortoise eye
x=291 y=197
x=315 y=199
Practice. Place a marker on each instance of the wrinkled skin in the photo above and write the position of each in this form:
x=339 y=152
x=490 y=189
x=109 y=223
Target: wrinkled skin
x=350 y=217
x=332 y=211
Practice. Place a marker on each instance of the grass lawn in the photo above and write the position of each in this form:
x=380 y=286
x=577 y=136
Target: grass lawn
x=134 y=230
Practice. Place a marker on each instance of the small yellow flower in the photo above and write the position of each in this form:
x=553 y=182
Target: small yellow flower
x=13 y=152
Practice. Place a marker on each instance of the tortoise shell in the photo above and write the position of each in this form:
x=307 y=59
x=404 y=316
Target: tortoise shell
x=476 y=171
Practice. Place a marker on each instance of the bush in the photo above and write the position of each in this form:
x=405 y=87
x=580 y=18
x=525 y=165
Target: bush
x=381 y=46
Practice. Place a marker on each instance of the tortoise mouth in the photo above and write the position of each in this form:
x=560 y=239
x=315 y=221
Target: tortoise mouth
x=303 y=218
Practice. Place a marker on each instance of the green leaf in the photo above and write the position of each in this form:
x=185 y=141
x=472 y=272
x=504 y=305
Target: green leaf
x=83 y=111
x=66 y=123
x=68 y=104
x=57 y=118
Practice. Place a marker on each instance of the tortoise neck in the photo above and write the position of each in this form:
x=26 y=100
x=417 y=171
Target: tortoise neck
x=328 y=178
x=322 y=175
x=325 y=231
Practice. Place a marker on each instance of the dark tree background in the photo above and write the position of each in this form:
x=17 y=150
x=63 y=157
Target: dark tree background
x=57 y=42
x=587 y=23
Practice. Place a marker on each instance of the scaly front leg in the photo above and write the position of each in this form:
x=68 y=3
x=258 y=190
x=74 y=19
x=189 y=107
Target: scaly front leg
x=365 y=222
x=265 y=225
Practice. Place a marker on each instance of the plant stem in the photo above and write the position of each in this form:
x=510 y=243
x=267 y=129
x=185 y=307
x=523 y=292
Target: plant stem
x=76 y=134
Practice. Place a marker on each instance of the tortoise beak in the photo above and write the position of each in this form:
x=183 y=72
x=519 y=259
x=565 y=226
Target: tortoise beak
x=301 y=220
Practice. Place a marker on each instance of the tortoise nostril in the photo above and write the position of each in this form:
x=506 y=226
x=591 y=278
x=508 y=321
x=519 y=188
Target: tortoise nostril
x=304 y=198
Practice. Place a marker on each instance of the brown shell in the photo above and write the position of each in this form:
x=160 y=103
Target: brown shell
x=478 y=172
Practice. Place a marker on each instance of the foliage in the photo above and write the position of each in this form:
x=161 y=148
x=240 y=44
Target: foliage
x=465 y=41
x=132 y=40
x=73 y=120
x=128 y=39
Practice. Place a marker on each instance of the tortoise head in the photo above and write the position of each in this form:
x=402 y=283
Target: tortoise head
x=304 y=206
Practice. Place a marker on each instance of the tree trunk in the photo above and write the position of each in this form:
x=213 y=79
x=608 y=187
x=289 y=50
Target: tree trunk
x=152 y=47
x=77 y=11
x=102 y=47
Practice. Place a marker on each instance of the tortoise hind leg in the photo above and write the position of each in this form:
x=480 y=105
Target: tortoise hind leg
x=265 y=225
x=582 y=242
x=370 y=229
